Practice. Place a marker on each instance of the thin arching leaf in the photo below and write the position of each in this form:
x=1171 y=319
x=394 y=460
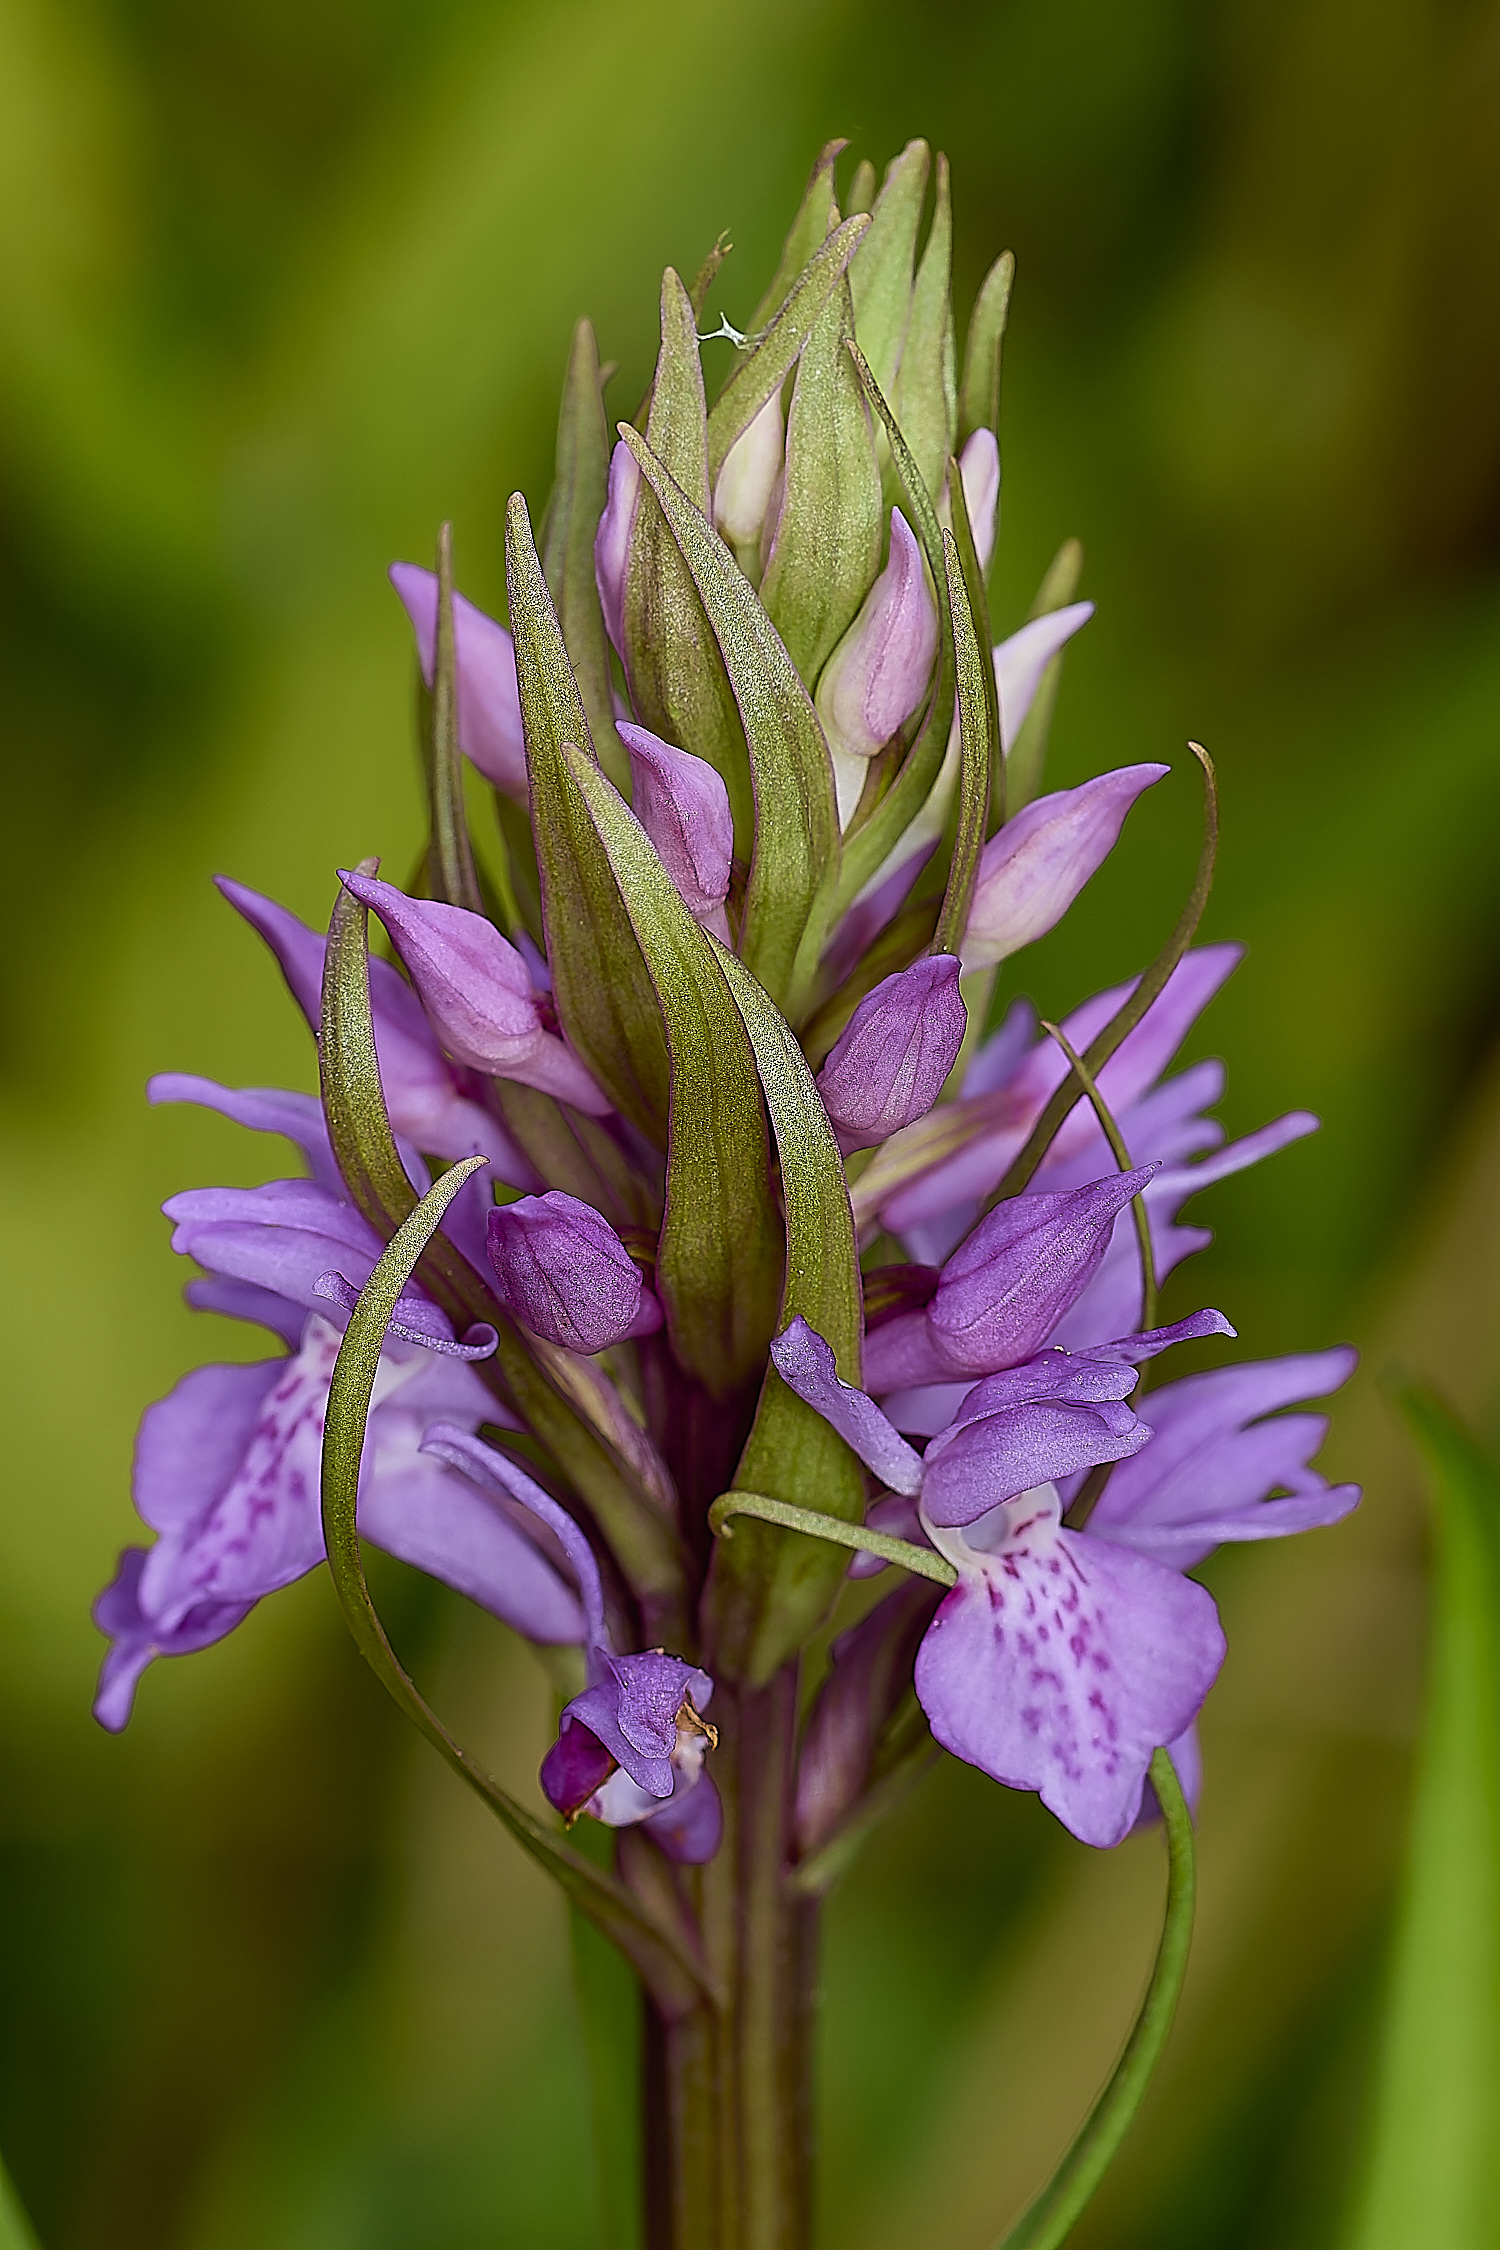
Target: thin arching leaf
x=768 y=1591
x=1433 y=2172
x=1063 y=2200
x=718 y=1263
x=976 y=755
x=578 y=493
x=604 y=997
x=796 y=824
x=766 y=365
x=655 y=1951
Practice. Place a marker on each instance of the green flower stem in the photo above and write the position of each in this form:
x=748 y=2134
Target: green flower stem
x=1121 y=1154
x=1149 y=990
x=920 y=1560
x=1056 y=2211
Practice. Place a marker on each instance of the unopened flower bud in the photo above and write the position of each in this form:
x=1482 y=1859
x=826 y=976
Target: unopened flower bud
x=477 y=993
x=489 y=700
x=565 y=1274
x=878 y=674
x=979 y=466
x=748 y=477
x=896 y=1052
x=683 y=805
x=612 y=540
x=1033 y=868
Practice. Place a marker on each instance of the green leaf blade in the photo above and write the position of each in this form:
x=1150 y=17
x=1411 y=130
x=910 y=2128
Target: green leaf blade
x=881 y=274
x=1433 y=2175
x=926 y=399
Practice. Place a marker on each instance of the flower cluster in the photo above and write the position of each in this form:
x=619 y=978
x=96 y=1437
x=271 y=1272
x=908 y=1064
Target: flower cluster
x=715 y=1017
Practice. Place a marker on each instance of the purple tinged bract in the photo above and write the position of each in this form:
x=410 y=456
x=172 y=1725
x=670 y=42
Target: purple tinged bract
x=478 y=994
x=893 y=1058
x=564 y=1272
x=489 y=697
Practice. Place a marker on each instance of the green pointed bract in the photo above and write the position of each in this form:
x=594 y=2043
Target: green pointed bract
x=881 y=275
x=979 y=398
x=769 y=1589
x=827 y=548
x=562 y=1399
x=603 y=993
x=796 y=832
x=979 y=607
x=868 y=845
x=926 y=395
x=975 y=758
x=807 y=233
x=763 y=368
x=1026 y=759
x=719 y=1260
x=678 y=684
x=578 y=495
x=862 y=187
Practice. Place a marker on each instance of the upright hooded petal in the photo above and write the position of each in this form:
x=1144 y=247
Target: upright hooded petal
x=879 y=672
x=895 y=1054
x=1033 y=868
x=489 y=698
x=1021 y=661
x=562 y=1270
x=683 y=805
x=1060 y=1664
x=478 y=994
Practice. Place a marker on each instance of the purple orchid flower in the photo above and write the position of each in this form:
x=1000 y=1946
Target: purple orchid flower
x=1021 y=661
x=683 y=805
x=612 y=541
x=422 y=1092
x=477 y=991
x=489 y=696
x=1059 y=1663
x=630 y=1749
x=561 y=1269
x=227 y=1474
x=893 y=1058
x=1033 y=868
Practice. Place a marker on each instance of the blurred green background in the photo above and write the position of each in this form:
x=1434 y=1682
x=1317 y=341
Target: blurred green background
x=285 y=284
